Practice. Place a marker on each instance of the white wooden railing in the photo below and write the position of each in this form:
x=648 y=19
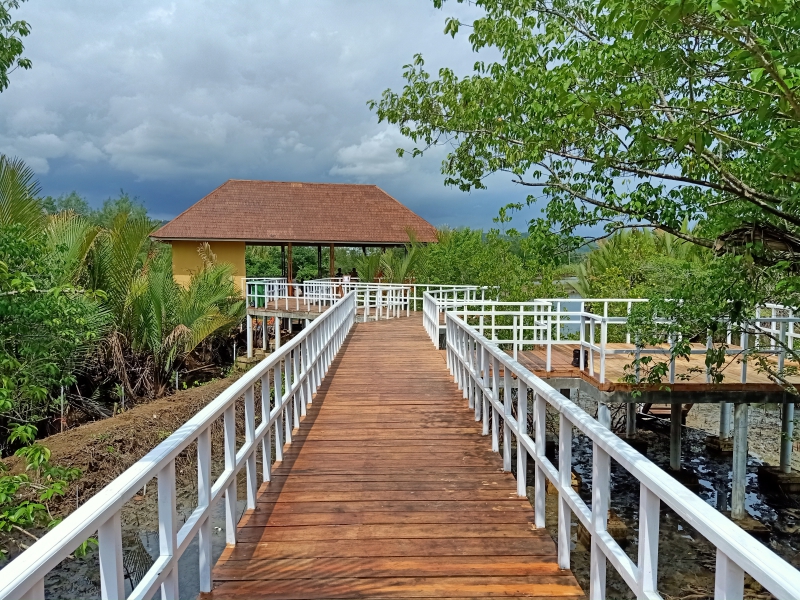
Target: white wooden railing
x=378 y=300
x=547 y=323
x=290 y=376
x=477 y=363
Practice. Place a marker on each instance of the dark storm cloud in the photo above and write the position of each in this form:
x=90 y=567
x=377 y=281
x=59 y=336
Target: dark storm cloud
x=167 y=100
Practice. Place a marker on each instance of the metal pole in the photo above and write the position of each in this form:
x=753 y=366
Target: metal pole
x=630 y=419
x=739 y=460
x=604 y=415
x=787 y=433
x=675 y=436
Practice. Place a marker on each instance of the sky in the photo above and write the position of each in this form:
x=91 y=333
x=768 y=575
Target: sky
x=167 y=100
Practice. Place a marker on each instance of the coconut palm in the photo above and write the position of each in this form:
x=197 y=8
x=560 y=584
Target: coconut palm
x=19 y=197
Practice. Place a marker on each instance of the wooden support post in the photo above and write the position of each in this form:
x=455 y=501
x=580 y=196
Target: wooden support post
x=289 y=271
x=675 y=436
x=739 y=460
x=332 y=262
x=319 y=261
x=787 y=433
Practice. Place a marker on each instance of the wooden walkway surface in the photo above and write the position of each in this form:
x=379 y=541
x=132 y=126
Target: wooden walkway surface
x=390 y=491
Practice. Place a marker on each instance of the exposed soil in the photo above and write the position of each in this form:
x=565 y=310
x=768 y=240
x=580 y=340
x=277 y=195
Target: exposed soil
x=104 y=449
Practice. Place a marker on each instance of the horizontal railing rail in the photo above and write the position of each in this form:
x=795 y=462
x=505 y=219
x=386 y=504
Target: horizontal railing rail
x=488 y=377
x=288 y=378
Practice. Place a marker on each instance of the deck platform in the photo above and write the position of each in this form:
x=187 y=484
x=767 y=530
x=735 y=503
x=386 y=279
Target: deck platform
x=390 y=491
x=690 y=382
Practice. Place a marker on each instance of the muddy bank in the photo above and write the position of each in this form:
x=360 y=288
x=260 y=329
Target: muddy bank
x=104 y=449
x=764 y=433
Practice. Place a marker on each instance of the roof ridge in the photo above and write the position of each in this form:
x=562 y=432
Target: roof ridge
x=306 y=182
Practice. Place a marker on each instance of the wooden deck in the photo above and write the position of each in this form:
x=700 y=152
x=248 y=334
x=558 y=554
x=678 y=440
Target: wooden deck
x=390 y=491
x=690 y=375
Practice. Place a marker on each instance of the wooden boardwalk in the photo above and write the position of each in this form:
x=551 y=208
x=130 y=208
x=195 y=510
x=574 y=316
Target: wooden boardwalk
x=690 y=375
x=390 y=491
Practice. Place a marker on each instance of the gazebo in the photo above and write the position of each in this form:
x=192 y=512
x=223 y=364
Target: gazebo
x=287 y=214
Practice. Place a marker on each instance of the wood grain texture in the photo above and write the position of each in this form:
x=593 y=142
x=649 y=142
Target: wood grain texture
x=390 y=491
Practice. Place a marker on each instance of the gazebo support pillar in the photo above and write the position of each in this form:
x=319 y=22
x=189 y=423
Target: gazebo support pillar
x=331 y=262
x=289 y=270
x=319 y=261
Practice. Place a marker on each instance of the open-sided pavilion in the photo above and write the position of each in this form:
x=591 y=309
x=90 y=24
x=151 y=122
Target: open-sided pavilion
x=287 y=214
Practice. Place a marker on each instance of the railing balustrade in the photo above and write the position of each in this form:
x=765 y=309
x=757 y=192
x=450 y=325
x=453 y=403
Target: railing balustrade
x=547 y=323
x=288 y=379
x=476 y=364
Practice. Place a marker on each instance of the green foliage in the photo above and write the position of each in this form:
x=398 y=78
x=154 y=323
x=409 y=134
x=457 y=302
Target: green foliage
x=652 y=111
x=101 y=217
x=507 y=262
x=623 y=113
x=11 y=48
x=156 y=321
x=637 y=263
x=46 y=329
x=49 y=480
x=265 y=261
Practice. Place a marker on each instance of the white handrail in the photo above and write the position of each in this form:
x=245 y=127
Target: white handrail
x=475 y=363
x=293 y=373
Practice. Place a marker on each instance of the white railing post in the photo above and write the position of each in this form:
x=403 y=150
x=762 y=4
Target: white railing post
x=565 y=478
x=601 y=480
x=728 y=579
x=204 y=500
x=603 y=338
x=649 y=512
x=506 y=409
x=539 y=424
x=249 y=442
x=522 y=427
x=35 y=592
x=288 y=424
x=279 y=442
x=167 y=528
x=112 y=574
x=229 y=427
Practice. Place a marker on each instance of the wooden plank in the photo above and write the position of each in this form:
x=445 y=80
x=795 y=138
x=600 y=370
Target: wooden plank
x=290 y=568
x=537 y=586
x=389 y=490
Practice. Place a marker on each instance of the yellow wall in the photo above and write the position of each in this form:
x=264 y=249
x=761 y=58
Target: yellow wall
x=186 y=260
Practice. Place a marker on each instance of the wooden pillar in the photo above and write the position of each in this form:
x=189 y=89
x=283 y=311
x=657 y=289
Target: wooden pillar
x=332 y=261
x=319 y=261
x=283 y=260
x=289 y=272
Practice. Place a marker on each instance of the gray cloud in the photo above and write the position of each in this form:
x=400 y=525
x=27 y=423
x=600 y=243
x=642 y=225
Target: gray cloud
x=169 y=99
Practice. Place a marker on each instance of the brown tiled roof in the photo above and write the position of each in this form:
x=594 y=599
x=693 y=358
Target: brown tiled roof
x=281 y=211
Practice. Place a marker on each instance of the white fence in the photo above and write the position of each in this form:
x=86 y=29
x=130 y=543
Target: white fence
x=378 y=300
x=290 y=376
x=476 y=364
x=560 y=321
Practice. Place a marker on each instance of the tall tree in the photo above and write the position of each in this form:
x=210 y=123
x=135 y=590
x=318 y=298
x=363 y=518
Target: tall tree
x=623 y=113
x=11 y=48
